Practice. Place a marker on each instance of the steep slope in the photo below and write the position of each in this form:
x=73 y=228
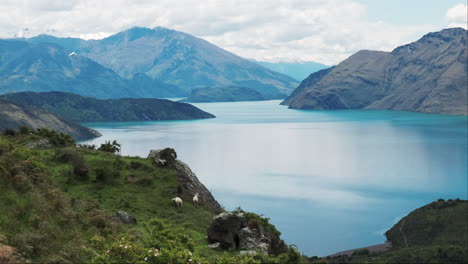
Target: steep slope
x=298 y=70
x=14 y=116
x=176 y=58
x=307 y=82
x=429 y=75
x=49 y=67
x=87 y=109
x=224 y=94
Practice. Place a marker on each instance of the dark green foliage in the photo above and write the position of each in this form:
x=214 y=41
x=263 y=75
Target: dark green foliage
x=55 y=138
x=107 y=175
x=85 y=146
x=25 y=130
x=80 y=170
x=440 y=222
x=9 y=132
x=77 y=108
x=362 y=251
x=111 y=147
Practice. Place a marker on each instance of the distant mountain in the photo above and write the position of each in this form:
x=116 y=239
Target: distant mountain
x=86 y=109
x=49 y=67
x=224 y=94
x=14 y=116
x=298 y=70
x=176 y=58
x=429 y=75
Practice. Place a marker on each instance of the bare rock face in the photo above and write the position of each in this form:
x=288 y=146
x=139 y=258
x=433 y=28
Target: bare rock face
x=225 y=230
x=253 y=239
x=233 y=231
x=187 y=178
x=163 y=157
x=429 y=75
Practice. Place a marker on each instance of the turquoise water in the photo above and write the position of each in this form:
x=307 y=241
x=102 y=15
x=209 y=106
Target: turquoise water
x=329 y=180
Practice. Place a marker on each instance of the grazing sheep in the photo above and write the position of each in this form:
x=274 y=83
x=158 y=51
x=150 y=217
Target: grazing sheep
x=178 y=202
x=195 y=199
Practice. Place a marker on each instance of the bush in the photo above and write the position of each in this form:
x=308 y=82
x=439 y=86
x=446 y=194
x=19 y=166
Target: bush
x=23 y=130
x=55 y=138
x=74 y=158
x=113 y=147
x=106 y=175
x=361 y=252
x=9 y=132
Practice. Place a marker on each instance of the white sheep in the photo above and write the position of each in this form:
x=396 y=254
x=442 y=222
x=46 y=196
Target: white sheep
x=178 y=202
x=195 y=199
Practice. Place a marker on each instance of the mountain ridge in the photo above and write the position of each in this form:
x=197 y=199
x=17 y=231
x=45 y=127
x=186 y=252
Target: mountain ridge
x=428 y=75
x=176 y=58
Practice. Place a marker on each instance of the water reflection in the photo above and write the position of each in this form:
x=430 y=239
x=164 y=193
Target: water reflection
x=330 y=180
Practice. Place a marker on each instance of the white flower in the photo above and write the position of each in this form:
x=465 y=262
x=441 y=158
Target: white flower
x=146 y=259
x=126 y=246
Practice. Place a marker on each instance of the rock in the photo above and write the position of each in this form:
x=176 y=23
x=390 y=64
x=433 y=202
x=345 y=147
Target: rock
x=236 y=231
x=253 y=239
x=124 y=218
x=191 y=184
x=225 y=230
x=214 y=245
x=248 y=252
x=163 y=157
x=8 y=255
x=41 y=144
x=186 y=177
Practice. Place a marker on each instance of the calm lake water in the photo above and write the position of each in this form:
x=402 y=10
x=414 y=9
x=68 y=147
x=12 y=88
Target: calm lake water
x=329 y=180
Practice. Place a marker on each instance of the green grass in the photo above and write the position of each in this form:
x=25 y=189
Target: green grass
x=52 y=215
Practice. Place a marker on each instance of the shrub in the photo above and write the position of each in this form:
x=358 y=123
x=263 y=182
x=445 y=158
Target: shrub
x=9 y=132
x=111 y=147
x=106 y=175
x=23 y=130
x=361 y=252
x=55 y=138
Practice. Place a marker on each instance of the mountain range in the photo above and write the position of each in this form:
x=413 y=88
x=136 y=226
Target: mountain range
x=174 y=58
x=429 y=75
x=42 y=67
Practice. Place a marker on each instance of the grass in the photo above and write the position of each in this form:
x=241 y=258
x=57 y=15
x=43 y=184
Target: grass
x=57 y=204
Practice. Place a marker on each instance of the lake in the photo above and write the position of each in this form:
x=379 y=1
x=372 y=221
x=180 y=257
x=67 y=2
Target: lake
x=328 y=180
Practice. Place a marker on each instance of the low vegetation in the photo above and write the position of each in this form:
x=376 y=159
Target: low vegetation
x=58 y=205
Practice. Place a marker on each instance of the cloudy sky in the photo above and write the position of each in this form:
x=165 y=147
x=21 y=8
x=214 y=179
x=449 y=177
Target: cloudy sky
x=325 y=31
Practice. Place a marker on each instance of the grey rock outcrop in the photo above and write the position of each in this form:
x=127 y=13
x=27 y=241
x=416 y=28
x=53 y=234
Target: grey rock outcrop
x=429 y=75
x=186 y=177
x=235 y=231
x=225 y=229
x=253 y=239
x=41 y=144
x=124 y=218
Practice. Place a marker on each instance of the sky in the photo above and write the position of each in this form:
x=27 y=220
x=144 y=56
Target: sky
x=325 y=31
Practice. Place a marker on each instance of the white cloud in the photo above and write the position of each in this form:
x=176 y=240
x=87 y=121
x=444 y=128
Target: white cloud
x=457 y=16
x=317 y=30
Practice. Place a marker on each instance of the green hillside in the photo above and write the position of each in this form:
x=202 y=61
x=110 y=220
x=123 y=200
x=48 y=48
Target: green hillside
x=58 y=205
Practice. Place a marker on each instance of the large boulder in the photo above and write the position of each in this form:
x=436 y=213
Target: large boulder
x=186 y=177
x=253 y=239
x=225 y=229
x=235 y=231
x=163 y=157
